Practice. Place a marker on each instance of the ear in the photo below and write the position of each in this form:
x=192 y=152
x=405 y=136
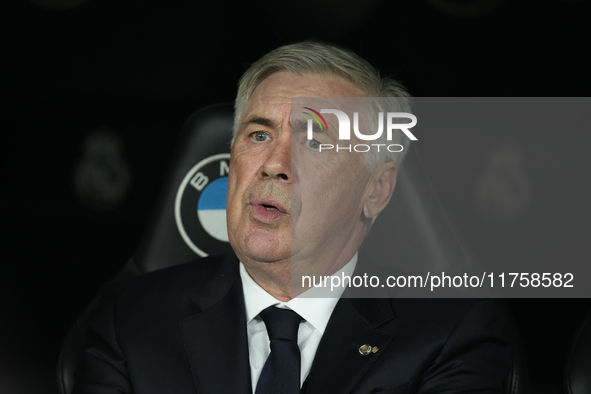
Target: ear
x=380 y=189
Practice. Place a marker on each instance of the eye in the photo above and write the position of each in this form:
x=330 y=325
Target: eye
x=313 y=144
x=260 y=136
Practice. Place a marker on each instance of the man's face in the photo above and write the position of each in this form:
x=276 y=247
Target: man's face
x=285 y=199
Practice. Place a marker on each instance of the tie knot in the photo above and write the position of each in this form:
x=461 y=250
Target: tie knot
x=281 y=323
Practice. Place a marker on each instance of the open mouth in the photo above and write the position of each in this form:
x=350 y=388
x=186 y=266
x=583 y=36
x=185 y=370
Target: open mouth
x=267 y=209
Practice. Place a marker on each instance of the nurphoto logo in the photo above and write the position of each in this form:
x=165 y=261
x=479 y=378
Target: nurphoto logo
x=345 y=129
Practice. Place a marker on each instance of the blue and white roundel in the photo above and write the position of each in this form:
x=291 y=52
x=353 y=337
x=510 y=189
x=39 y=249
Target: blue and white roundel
x=211 y=209
x=200 y=206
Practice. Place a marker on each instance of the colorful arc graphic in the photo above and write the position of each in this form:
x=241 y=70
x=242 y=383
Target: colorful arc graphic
x=315 y=118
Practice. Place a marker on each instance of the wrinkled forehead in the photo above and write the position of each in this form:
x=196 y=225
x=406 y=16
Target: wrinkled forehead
x=284 y=85
x=324 y=110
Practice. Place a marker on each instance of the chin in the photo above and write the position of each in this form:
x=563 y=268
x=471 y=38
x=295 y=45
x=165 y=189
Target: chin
x=270 y=255
x=263 y=249
x=260 y=243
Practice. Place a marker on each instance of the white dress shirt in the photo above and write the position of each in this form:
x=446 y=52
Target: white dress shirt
x=315 y=311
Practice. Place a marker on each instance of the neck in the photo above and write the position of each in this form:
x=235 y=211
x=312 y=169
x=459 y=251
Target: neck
x=274 y=278
x=278 y=282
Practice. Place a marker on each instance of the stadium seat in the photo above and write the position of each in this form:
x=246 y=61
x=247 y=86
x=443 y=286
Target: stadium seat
x=578 y=361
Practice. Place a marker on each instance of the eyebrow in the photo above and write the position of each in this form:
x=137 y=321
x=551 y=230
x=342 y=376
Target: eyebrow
x=259 y=120
x=301 y=125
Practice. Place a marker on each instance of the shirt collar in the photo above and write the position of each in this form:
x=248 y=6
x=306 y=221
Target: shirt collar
x=316 y=311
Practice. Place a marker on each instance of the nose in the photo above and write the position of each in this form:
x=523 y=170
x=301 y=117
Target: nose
x=278 y=162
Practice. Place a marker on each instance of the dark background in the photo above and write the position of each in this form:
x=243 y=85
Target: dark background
x=140 y=68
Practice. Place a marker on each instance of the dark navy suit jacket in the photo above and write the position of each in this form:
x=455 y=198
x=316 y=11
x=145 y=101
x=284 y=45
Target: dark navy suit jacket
x=182 y=330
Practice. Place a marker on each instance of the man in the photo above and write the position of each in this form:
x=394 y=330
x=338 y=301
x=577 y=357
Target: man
x=211 y=326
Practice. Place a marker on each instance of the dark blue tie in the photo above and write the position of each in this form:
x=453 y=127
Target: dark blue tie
x=281 y=373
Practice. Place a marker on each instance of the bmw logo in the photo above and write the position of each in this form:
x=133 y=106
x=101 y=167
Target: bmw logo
x=200 y=206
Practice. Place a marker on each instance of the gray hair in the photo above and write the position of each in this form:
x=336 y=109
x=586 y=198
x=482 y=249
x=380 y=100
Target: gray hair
x=322 y=58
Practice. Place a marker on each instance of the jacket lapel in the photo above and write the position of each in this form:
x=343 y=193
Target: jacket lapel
x=216 y=339
x=338 y=364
